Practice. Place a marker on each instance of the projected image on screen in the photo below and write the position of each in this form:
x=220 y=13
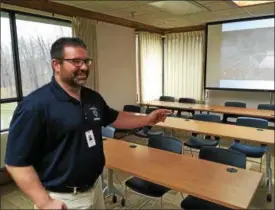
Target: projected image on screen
x=241 y=55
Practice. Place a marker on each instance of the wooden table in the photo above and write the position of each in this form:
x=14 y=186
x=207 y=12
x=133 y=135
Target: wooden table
x=262 y=136
x=204 y=179
x=266 y=114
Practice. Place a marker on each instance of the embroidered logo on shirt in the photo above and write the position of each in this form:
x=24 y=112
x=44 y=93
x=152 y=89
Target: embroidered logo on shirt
x=95 y=113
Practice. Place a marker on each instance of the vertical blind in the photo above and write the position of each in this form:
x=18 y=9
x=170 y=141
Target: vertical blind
x=183 y=65
x=150 y=66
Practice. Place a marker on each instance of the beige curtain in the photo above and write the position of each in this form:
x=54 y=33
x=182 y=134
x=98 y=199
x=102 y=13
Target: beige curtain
x=150 y=66
x=85 y=29
x=183 y=65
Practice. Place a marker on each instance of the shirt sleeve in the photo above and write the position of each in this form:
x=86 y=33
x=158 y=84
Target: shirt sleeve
x=109 y=114
x=23 y=137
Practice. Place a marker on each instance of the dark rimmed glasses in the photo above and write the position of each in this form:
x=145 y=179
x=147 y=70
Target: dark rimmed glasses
x=79 y=62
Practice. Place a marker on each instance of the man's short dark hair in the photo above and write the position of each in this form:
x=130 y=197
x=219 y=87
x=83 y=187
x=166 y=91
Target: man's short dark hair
x=57 y=49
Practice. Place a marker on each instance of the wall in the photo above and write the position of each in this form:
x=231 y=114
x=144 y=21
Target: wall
x=116 y=64
x=252 y=99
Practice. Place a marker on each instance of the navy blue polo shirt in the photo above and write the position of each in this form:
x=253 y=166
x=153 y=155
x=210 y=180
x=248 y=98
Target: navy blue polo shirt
x=59 y=135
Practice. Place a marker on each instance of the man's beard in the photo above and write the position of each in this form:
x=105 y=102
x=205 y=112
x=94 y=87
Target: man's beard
x=77 y=79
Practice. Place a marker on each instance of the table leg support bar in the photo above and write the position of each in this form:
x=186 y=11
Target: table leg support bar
x=111 y=189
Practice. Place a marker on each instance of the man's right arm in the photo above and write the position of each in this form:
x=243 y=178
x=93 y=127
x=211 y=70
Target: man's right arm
x=27 y=180
x=23 y=150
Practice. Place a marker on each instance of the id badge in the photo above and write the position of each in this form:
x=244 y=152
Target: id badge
x=90 y=138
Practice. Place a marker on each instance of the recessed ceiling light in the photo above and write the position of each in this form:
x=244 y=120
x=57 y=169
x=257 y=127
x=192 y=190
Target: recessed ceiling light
x=250 y=3
x=178 y=7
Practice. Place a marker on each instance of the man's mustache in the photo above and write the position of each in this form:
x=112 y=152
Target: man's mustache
x=81 y=72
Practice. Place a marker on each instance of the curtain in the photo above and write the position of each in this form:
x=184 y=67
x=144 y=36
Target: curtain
x=150 y=66
x=85 y=29
x=183 y=65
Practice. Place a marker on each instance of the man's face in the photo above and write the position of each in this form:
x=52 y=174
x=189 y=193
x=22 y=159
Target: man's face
x=72 y=69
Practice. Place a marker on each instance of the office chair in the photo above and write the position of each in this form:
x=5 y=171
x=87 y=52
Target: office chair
x=270 y=107
x=186 y=101
x=267 y=107
x=232 y=104
x=149 y=189
x=167 y=98
x=146 y=131
x=249 y=150
x=195 y=142
x=127 y=132
x=219 y=155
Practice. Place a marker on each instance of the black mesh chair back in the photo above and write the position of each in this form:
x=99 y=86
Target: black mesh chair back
x=223 y=156
x=207 y=117
x=267 y=107
x=165 y=143
x=187 y=100
x=132 y=108
x=167 y=98
x=235 y=104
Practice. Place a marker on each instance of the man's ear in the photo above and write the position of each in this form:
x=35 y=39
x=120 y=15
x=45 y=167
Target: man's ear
x=56 y=65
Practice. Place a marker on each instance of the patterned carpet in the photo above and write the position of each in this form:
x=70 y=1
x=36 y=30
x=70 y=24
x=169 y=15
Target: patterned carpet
x=13 y=198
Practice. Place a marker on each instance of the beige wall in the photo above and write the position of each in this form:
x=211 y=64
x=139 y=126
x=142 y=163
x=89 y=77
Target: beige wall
x=116 y=64
x=213 y=55
x=252 y=99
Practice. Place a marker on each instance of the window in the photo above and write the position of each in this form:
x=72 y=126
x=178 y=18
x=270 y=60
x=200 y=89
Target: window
x=25 y=56
x=35 y=37
x=8 y=89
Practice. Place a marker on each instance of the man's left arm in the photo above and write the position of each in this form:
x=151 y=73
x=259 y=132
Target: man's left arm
x=128 y=120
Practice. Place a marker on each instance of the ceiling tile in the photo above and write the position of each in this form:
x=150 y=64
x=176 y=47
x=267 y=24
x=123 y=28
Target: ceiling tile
x=140 y=10
x=88 y=5
x=219 y=5
x=205 y=2
x=178 y=22
x=119 y=13
x=147 y=14
x=115 y=5
x=165 y=25
x=201 y=17
x=258 y=10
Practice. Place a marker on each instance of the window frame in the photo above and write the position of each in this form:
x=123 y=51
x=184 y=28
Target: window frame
x=15 y=52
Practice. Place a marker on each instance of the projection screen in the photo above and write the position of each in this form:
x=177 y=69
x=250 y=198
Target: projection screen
x=240 y=55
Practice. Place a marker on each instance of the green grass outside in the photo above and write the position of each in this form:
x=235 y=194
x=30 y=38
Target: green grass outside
x=7 y=110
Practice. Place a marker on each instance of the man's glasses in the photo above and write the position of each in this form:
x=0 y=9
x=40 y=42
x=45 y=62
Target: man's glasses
x=79 y=62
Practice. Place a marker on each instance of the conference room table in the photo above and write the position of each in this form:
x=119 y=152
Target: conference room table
x=249 y=112
x=201 y=178
x=261 y=136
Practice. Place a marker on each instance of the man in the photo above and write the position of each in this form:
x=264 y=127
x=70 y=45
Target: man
x=55 y=149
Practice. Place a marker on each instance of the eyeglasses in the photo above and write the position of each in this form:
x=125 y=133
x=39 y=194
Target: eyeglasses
x=79 y=62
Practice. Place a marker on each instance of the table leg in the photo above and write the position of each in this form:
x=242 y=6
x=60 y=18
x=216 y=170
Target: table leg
x=111 y=189
x=268 y=176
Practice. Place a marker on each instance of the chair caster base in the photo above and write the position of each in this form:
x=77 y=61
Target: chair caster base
x=123 y=202
x=114 y=199
x=269 y=198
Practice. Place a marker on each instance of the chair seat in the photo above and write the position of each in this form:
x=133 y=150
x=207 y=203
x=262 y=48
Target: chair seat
x=197 y=143
x=146 y=187
x=143 y=134
x=191 y=202
x=249 y=150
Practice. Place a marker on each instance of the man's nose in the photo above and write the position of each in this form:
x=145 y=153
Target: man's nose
x=84 y=67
